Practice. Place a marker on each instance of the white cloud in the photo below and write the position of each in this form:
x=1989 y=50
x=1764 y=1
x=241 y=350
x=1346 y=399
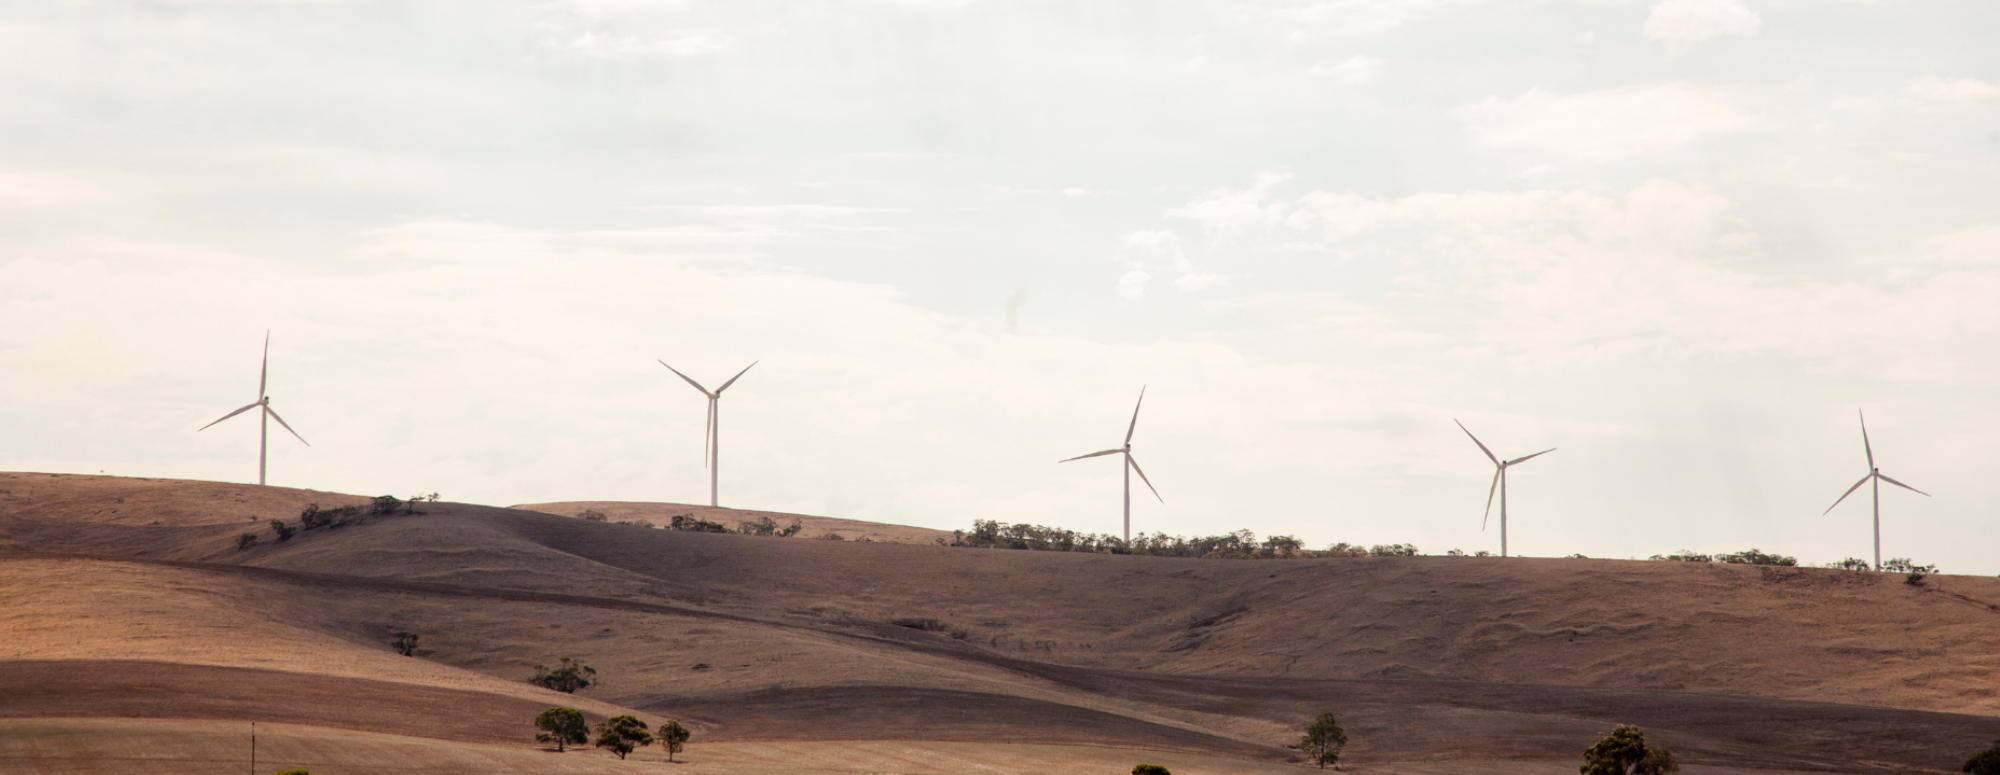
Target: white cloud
x=615 y=9
x=1147 y=251
x=21 y=191
x=1936 y=89
x=1544 y=131
x=1348 y=18
x=681 y=43
x=1225 y=213
x=1074 y=192
x=1352 y=72
x=1684 y=24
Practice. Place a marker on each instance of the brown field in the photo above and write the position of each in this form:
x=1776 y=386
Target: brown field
x=135 y=630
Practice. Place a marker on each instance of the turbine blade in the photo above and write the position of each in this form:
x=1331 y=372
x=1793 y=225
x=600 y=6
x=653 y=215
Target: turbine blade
x=281 y=421
x=1475 y=440
x=1902 y=485
x=264 y=371
x=229 y=415
x=1135 y=417
x=1142 y=476
x=1850 y=491
x=690 y=380
x=1490 y=489
x=707 y=432
x=1094 y=454
x=1530 y=457
x=1865 y=446
x=732 y=380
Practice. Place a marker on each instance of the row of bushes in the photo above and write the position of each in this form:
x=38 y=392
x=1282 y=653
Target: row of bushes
x=313 y=517
x=1241 y=544
x=762 y=526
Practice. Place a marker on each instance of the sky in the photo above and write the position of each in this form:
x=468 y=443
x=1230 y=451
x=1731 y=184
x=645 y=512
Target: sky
x=1683 y=242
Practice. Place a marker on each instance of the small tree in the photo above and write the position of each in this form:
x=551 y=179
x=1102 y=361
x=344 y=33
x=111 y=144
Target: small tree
x=673 y=737
x=283 y=530
x=246 y=541
x=621 y=734
x=406 y=644
x=1149 y=769
x=1985 y=762
x=562 y=726
x=568 y=678
x=386 y=504
x=1323 y=741
x=1625 y=753
x=295 y=772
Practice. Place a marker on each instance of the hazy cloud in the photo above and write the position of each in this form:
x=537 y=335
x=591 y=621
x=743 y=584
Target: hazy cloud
x=1544 y=131
x=1352 y=72
x=1683 y=24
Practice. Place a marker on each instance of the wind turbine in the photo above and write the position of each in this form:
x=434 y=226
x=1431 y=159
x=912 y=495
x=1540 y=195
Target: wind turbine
x=711 y=443
x=1130 y=464
x=1499 y=481
x=264 y=402
x=1874 y=474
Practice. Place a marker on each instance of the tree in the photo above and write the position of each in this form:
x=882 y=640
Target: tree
x=246 y=541
x=562 y=726
x=1323 y=741
x=673 y=737
x=568 y=678
x=283 y=530
x=295 y=772
x=406 y=644
x=621 y=734
x=1985 y=762
x=1625 y=753
x=1149 y=769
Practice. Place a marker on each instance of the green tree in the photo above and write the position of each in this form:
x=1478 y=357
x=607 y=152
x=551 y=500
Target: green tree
x=1625 y=753
x=562 y=726
x=246 y=541
x=1323 y=741
x=673 y=737
x=406 y=644
x=1149 y=769
x=621 y=734
x=568 y=678
x=1985 y=762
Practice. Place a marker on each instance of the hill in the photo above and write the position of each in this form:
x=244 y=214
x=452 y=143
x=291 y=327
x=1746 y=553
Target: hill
x=127 y=600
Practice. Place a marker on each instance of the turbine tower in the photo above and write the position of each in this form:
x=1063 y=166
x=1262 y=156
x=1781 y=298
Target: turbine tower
x=1875 y=475
x=1499 y=481
x=711 y=446
x=1131 y=465
x=263 y=401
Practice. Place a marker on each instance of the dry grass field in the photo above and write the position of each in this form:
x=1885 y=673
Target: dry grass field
x=136 y=630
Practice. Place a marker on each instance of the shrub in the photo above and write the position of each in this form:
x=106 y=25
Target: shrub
x=635 y=523
x=246 y=541
x=621 y=734
x=283 y=530
x=569 y=677
x=406 y=644
x=765 y=526
x=295 y=772
x=1851 y=563
x=1906 y=565
x=833 y=537
x=385 y=504
x=1393 y=550
x=1753 y=557
x=1682 y=556
x=1149 y=769
x=1323 y=741
x=1985 y=762
x=673 y=737
x=1455 y=553
x=1482 y=553
x=690 y=524
x=592 y=515
x=1625 y=753
x=562 y=726
x=313 y=516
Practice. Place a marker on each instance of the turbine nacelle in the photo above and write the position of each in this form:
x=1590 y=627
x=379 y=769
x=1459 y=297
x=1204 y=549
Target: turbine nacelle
x=1132 y=465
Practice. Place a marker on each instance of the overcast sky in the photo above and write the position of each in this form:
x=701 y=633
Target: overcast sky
x=1683 y=241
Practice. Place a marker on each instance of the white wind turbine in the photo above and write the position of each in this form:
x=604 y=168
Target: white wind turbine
x=264 y=402
x=1499 y=481
x=1874 y=474
x=1130 y=464
x=711 y=446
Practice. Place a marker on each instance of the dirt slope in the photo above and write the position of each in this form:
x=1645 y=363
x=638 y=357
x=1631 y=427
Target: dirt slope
x=766 y=639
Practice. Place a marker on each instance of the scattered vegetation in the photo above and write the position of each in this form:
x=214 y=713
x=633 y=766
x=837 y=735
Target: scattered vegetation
x=246 y=541
x=1985 y=762
x=765 y=526
x=673 y=737
x=1749 y=556
x=406 y=644
x=1241 y=544
x=315 y=517
x=1149 y=769
x=1851 y=563
x=636 y=523
x=1625 y=753
x=386 y=504
x=689 y=523
x=1906 y=565
x=295 y=772
x=592 y=515
x=569 y=677
x=564 y=727
x=833 y=537
x=1323 y=741
x=283 y=530
x=621 y=734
